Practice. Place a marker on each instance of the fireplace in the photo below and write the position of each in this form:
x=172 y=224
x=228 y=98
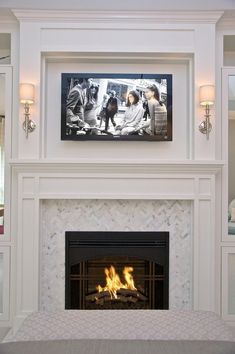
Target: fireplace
x=116 y=270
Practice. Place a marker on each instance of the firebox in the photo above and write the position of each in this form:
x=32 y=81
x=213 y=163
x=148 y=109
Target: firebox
x=116 y=270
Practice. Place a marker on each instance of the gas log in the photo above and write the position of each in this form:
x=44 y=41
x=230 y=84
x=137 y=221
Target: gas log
x=123 y=295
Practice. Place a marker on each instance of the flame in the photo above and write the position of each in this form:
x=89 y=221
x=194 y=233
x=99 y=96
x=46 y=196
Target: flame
x=113 y=282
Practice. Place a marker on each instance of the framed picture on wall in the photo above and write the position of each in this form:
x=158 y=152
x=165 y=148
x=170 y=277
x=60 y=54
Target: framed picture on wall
x=116 y=107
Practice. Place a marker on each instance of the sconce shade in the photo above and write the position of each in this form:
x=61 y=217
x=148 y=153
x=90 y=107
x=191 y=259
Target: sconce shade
x=207 y=95
x=27 y=93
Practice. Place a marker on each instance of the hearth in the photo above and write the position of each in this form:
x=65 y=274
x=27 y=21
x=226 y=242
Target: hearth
x=117 y=270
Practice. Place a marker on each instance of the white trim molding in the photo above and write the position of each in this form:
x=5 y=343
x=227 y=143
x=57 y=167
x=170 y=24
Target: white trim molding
x=34 y=182
x=122 y=166
x=5 y=281
x=228 y=273
x=181 y=17
x=184 y=36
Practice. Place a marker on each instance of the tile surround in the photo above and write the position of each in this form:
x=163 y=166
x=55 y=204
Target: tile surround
x=58 y=216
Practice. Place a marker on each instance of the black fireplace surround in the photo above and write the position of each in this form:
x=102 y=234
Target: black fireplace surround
x=91 y=256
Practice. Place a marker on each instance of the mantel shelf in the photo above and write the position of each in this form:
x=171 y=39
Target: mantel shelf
x=118 y=166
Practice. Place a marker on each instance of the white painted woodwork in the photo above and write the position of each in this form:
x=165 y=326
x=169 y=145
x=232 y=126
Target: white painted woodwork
x=228 y=283
x=115 y=181
x=109 y=34
x=189 y=168
x=4 y=283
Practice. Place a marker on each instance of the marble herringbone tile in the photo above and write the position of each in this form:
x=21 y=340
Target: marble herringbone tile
x=59 y=216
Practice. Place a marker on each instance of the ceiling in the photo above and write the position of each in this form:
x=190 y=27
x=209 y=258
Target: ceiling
x=121 y=4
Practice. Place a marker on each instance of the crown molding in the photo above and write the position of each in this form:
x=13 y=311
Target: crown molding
x=176 y=17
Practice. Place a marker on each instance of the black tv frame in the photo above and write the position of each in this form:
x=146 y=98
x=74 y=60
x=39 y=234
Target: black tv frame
x=65 y=77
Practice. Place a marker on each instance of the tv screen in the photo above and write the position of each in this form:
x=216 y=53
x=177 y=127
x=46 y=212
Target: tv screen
x=116 y=107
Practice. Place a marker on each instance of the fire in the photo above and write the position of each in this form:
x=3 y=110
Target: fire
x=113 y=281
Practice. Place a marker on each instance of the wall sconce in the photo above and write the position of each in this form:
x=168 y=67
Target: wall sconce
x=207 y=99
x=27 y=98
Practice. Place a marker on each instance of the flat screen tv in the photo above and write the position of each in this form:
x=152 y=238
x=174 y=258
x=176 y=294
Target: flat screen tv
x=116 y=107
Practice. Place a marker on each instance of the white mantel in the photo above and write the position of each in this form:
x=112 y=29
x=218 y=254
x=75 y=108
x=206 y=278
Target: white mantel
x=134 y=181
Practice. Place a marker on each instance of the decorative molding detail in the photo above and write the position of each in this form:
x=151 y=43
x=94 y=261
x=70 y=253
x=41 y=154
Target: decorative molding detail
x=5 y=252
x=194 y=183
x=159 y=17
x=227 y=251
x=111 y=167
